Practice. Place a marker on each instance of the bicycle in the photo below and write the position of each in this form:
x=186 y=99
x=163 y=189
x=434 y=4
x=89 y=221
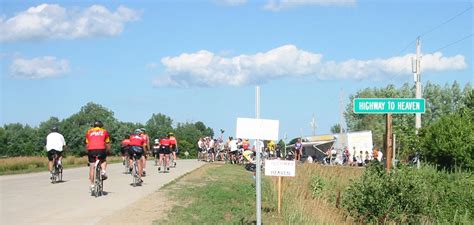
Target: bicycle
x=136 y=178
x=172 y=160
x=98 y=179
x=57 y=173
x=126 y=165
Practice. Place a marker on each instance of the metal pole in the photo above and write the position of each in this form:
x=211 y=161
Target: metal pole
x=417 y=77
x=258 y=171
x=389 y=140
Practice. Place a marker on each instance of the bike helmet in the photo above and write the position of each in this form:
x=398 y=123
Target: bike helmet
x=54 y=128
x=157 y=141
x=98 y=123
x=137 y=131
x=143 y=129
x=170 y=134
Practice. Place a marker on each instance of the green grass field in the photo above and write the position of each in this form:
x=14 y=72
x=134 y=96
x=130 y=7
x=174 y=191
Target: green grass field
x=30 y=164
x=219 y=194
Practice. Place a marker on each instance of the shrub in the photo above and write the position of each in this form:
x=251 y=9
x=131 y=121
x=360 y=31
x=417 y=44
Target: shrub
x=409 y=195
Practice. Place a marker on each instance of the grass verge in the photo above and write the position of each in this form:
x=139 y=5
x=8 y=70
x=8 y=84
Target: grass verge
x=314 y=195
x=30 y=164
x=219 y=194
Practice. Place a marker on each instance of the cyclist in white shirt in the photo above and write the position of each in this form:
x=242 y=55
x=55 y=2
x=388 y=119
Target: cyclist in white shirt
x=233 y=149
x=55 y=144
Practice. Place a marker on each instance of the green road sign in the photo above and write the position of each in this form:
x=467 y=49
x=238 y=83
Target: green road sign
x=389 y=105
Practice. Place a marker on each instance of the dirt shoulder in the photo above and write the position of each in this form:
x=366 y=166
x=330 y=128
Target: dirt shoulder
x=152 y=207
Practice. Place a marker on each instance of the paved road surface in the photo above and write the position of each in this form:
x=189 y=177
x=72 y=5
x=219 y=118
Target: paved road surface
x=32 y=199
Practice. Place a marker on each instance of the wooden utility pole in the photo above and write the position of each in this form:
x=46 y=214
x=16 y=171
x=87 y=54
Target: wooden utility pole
x=279 y=194
x=389 y=140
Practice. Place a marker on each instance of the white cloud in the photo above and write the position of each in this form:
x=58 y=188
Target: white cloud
x=205 y=68
x=38 y=68
x=232 y=2
x=277 y=5
x=53 y=21
x=151 y=65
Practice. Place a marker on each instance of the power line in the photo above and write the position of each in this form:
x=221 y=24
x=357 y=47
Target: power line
x=452 y=43
x=445 y=22
x=435 y=28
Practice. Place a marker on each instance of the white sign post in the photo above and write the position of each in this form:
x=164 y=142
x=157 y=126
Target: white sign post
x=258 y=129
x=280 y=168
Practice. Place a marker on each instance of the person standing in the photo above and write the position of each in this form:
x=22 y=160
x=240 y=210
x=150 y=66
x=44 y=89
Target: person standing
x=97 y=144
x=298 y=149
x=55 y=144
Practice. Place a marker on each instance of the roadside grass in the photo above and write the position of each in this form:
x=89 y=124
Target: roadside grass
x=219 y=194
x=30 y=164
x=314 y=195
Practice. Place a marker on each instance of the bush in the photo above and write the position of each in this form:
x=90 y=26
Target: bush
x=409 y=195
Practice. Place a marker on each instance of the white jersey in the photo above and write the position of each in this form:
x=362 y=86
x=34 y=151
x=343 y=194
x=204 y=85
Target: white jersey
x=55 y=141
x=380 y=156
x=233 y=145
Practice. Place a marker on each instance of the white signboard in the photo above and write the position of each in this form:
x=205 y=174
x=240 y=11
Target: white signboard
x=257 y=129
x=280 y=168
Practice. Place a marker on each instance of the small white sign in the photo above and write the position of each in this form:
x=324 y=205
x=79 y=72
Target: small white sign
x=257 y=129
x=280 y=168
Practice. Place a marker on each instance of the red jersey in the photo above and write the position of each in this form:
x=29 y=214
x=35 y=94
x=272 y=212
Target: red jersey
x=165 y=142
x=136 y=140
x=96 y=138
x=145 y=137
x=173 y=140
x=245 y=145
x=125 y=142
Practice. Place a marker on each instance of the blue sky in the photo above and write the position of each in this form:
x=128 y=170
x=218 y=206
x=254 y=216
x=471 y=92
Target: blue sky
x=200 y=60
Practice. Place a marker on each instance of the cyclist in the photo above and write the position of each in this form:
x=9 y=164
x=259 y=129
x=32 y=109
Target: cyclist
x=271 y=148
x=137 y=149
x=97 y=142
x=156 y=150
x=232 y=143
x=165 y=152
x=124 y=146
x=54 y=145
x=173 y=145
x=146 y=149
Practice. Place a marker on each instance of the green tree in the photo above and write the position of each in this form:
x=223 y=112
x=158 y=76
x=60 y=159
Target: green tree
x=76 y=126
x=3 y=142
x=20 y=140
x=449 y=141
x=159 y=125
x=336 y=128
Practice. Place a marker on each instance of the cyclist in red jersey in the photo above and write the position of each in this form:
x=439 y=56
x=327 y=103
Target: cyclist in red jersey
x=146 y=149
x=137 y=146
x=124 y=146
x=173 y=144
x=97 y=142
x=165 y=152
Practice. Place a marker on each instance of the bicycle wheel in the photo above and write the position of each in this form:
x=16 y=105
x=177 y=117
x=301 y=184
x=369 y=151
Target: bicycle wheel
x=97 y=182
x=135 y=174
x=127 y=166
x=60 y=173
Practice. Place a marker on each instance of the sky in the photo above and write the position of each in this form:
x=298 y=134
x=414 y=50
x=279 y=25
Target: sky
x=201 y=60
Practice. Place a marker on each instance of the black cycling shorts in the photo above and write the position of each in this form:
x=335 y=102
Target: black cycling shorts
x=135 y=152
x=52 y=152
x=165 y=150
x=124 y=149
x=100 y=153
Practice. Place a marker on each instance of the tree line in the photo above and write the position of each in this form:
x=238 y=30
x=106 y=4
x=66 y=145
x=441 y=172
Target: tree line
x=447 y=134
x=17 y=139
